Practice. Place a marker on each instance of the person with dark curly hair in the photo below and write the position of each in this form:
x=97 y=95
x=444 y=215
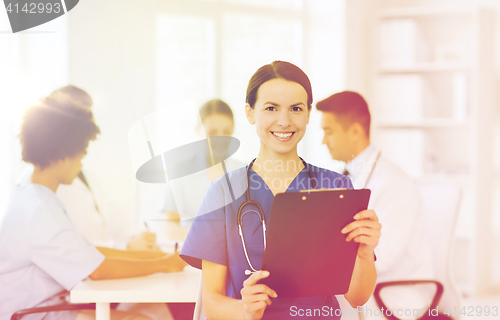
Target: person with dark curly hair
x=87 y=204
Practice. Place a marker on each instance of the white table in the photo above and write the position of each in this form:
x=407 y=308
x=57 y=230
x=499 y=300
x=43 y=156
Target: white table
x=161 y=287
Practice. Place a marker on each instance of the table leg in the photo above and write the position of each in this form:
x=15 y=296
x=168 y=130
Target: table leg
x=102 y=311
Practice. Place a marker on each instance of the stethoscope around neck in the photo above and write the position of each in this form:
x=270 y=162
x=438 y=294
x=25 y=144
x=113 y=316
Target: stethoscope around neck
x=259 y=212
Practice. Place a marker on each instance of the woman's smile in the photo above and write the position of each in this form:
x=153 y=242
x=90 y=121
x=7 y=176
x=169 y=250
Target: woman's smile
x=282 y=136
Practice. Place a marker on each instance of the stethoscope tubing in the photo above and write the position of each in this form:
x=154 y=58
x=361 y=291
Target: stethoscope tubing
x=371 y=171
x=259 y=212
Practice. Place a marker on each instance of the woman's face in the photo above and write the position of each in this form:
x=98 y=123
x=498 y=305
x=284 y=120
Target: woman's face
x=280 y=115
x=218 y=125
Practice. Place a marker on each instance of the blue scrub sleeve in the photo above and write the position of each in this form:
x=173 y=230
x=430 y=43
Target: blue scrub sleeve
x=59 y=250
x=206 y=239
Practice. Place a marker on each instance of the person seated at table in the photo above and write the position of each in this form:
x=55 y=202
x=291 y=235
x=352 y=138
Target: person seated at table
x=184 y=196
x=42 y=255
x=85 y=203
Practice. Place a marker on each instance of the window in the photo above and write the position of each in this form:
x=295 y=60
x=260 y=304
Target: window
x=209 y=50
x=33 y=64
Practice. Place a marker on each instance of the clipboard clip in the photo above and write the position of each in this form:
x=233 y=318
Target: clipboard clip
x=322 y=189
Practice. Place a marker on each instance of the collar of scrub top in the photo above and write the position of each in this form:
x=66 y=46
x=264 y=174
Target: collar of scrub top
x=363 y=165
x=259 y=212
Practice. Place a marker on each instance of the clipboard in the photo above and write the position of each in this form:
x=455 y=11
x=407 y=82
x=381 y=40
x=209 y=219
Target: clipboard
x=306 y=253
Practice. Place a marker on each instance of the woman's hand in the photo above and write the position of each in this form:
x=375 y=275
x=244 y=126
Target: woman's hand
x=255 y=296
x=366 y=231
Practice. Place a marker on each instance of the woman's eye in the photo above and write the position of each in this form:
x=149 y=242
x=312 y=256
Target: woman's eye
x=271 y=108
x=296 y=109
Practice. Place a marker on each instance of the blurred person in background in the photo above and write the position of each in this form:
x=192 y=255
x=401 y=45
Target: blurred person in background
x=86 y=204
x=216 y=120
x=42 y=255
x=184 y=197
x=403 y=252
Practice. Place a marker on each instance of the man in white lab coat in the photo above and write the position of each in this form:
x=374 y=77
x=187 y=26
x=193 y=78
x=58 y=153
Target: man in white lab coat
x=403 y=252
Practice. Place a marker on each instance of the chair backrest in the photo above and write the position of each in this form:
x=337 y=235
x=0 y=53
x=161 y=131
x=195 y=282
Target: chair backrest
x=441 y=206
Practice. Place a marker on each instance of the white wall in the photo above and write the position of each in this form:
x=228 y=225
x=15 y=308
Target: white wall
x=33 y=64
x=360 y=55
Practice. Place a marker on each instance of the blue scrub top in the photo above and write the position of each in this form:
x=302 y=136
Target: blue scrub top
x=214 y=236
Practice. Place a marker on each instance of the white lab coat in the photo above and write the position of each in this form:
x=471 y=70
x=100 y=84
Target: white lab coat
x=403 y=252
x=89 y=221
x=41 y=253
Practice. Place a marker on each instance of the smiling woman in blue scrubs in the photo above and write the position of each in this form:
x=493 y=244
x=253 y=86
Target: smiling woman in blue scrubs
x=279 y=99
